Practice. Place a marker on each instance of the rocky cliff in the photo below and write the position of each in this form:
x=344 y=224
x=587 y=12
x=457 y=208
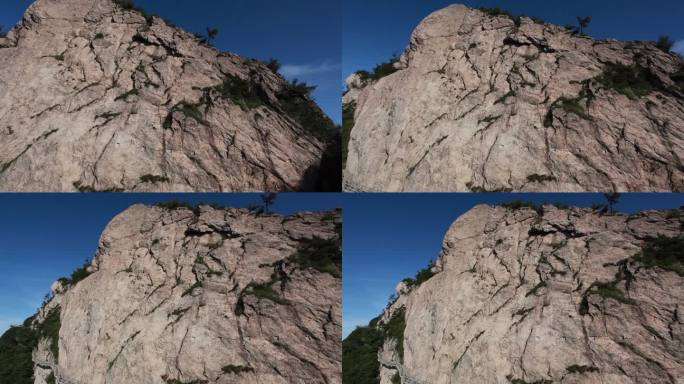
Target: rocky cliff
x=214 y=295
x=95 y=95
x=484 y=101
x=538 y=295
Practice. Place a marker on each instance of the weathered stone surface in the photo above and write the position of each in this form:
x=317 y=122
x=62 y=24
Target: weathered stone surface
x=91 y=98
x=510 y=304
x=478 y=106
x=166 y=301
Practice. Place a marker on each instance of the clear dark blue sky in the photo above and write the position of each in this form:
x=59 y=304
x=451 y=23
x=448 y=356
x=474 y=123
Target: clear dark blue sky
x=374 y=30
x=46 y=236
x=304 y=35
x=389 y=237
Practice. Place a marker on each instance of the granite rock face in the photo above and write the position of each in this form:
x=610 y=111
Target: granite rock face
x=94 y=97
x=487 y=102
x=521 y=296
x=212 y=296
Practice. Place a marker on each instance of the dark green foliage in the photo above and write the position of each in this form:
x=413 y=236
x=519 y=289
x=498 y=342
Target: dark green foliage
x=295 y=99
x=236 y=369
x=189 y=110
x=211 y=34
x=535 y=178
x=107 y=115
x=517 y=19
x=569 y=105
x=381 y=70
x=130 y=5
x=268 y=199
x=188 y=291
x=51 y=378
x=513 y=380
x=632 y=81
x=245 y=93
x=396 y=379
x=273 y=65
x=260 y=290
x=581 y=369
x=176 y=381
x=664 y=43
x=125 y=96
x=360 y=356
x=89 y=189
x=16 y=346
x=421 y=276
x=348 y=111
x=154 y=179
x=99 y=35
x=174 y=204
x=77 y=275
x=503 y=98
x=394 y=329
x=663 y=252
x=678 y=79
x=323 y=255
x=520 y=204
x=49 y=329
x=583 y=22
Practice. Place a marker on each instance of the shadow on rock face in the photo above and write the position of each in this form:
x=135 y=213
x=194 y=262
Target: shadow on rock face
x=326 y=176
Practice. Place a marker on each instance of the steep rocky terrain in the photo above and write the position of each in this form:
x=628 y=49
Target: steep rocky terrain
x=193 y=296
x=95 y=95
x=484 y=101
x=537 y=295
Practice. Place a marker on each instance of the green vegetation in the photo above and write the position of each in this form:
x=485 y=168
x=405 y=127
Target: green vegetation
x=581 y=369
x=245 y=93
x=520 y=204
x=189 y=110
x=125 y=96
x=503 y=98
x=273 y=65
x=632 y=81
x=130 y=5
x=16 y=346
x=295 y=99
x=323 y=255
x=236 y=369
x=348 y=111
x=421 y=276
x=513 y=380
x=381 y=70
x=99 y=36
x=176 y=381
x=535 y=178
x=517 y=19
x=394 y=330
x=77 y=275
x=49 y=329
x=396 y=379
x=90 y=189
x=663 y=252
x=583 y=22
x=664 y=43
x=360 y=356
x=569 y=105
x=198 y=284
x=175 y=204
x=51 y=378
x=154 y=179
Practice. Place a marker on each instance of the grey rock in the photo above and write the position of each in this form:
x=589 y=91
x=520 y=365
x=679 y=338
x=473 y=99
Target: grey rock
x=168 y=298
x=97 y=98
x=483 y=104
x=512 y=302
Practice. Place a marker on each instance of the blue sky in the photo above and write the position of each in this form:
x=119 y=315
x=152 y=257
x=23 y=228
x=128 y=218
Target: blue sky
x=46 y=236
x=304 y=35
x=374 y=30
x=390 y=237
